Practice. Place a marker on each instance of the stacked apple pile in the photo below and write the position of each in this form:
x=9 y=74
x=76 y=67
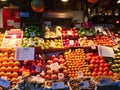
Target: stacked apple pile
x=69 y=33
x=75 y=62
x=104 y=40
x=31 y=67
x=98 y=65
x=55 y=66
x=8 y=67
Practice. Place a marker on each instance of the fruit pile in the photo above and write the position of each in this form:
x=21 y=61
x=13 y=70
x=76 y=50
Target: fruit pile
x=98 y=65
x=69 y=33
x=56 y=33
x=31 y=67
x=115 y=62
x=53 y=43
x=75 y=62
x=36 y=42
x=104 y=40
x=70 y=43
x=34 y=30
x=8 y=67
x=55 y=66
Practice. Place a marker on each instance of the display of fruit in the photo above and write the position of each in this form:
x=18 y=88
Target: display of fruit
x=8 y=66
x=98 y=65
x=29 y=67
x=54 y=66
x=86 y=32
x=85 y=42
x=1 y=38
x=75 y=62
x=35 y=41
x=32 y=30
x=115 y=62
x=70 y=43
x=53 y=43
x=104 y=40
x=55 y=33
x=72 y=32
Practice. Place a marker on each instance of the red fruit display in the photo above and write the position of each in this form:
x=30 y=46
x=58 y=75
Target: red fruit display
x=54 y=66
x=98 y=65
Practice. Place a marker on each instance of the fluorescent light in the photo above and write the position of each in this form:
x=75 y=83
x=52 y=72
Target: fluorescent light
x=118 y=1
x=64 y=0
x=3 y=0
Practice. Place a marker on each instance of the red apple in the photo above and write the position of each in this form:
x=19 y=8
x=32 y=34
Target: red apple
x=55 y=60
x=47 y=77
x=49 y=72
x=54 y=77
x=61 y=56
x=56 y=71
x=61 y=60
x=53 y=56
x=49 y=62
x=47 y=67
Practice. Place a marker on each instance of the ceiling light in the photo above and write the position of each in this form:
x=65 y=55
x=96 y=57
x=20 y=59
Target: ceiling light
x=64 y=0
x=3 y=0
x=118 y=1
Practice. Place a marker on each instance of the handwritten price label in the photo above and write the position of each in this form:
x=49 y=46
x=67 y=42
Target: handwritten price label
x=54 y=66
x=57 y=85
x=4 y=83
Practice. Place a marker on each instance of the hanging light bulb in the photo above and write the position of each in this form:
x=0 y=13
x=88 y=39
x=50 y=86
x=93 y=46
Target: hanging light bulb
x=118 y=1
x=64 y=0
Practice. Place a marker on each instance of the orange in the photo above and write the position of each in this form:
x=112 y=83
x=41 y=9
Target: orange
x=15 y=74
x=8 y=74
x=2 y=73
x=5 y=64
x=3 y=69
x=11 y=58
x=9 y=69
x=11 y=63
x=5 y=58
x=16 y=63
x=15 y=68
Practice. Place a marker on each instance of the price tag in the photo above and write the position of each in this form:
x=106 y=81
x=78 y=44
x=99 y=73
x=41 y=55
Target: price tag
x=106 y=51
x=83 y=85
x=4 y=83
x=42 y=73
x=92 y=44
x=57 y=85
x=38 y=69
x=13 y=36
x=24 y=53
x=52 y=44
x=54 y=66
x=69 y=32
x=105 y=81
x=32 y=34
x=71 y=42
x=80 y=74
x=60 y=75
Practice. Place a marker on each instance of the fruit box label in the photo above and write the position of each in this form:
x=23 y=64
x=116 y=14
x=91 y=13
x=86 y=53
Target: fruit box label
x=4 y=83
x=104 y=81
x=57 y=85
x=84 y=84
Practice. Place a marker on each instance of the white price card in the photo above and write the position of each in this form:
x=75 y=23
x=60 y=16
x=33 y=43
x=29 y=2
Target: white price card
x=69 y=32
x=32 y=34
x=60 y=75
x=4 y=83
x=80 y=74
x=54 y=66
x=25 y=53
x=71 y=42
x=106 y=51
x=57 y=85
x=92 y=44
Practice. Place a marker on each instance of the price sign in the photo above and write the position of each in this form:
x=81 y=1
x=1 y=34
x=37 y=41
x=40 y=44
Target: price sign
x=38 y=69
x=71 y=42
x=60 y=75
x=24 y=53
x=32 y=34
x=105 y=81
x=92 y=44
x=54 y=66
x=57 y=85
x=52 y=44
x=106 y=51
x=42 y=73
x=84 y=84
x=13 y=36
x=69 y=32
x=4 y=83
x=80 y=74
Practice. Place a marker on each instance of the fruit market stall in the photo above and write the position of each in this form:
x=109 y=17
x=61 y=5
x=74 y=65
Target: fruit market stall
x=58 y=58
